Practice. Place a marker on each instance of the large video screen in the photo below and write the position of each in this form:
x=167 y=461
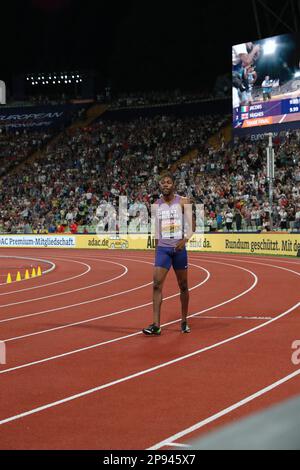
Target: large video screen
x=266 y=82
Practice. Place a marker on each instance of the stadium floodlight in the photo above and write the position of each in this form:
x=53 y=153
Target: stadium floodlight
x=269 y=47
x=297 y=74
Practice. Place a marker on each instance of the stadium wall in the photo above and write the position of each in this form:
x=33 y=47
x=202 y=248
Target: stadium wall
x=258 y=244
x=202 y=108
x=39 y=117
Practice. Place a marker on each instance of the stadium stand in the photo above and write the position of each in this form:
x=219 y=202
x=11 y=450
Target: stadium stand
x=89 y=163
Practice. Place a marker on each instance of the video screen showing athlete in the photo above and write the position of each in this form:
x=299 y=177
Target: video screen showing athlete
x=175 y=225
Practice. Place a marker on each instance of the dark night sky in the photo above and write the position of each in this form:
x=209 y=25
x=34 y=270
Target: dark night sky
x=137 y=44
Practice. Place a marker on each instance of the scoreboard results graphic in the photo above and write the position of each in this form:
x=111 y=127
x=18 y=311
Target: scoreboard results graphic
x=266 y=114
x=266 y=83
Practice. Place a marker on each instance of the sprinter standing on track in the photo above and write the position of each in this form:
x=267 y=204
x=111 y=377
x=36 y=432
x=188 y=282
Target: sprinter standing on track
x=175 y=225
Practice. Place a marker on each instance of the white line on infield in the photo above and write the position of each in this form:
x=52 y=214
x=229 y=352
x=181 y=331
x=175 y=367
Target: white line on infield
x=29 y=259
x=74 y=290
x=42 y=286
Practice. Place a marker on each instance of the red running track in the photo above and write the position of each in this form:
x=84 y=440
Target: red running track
x=80 y=375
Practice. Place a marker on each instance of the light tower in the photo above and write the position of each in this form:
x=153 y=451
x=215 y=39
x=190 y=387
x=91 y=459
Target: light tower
x=2 y=92
x=271 y=174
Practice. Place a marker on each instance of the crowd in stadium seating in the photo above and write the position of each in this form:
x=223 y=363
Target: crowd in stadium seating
x=152 y=98
x=15 y=145
x=232 y=183
x=125 y=100
x=17 y=142
x=62 y=191
x=97 y=164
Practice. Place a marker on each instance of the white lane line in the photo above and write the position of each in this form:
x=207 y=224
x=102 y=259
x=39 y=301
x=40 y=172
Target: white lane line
x=282 y=259
x=32 y=259
x=69 y=306
x=234 y=257
x=70 y=398
x=42 y=286
x=105 y=298
x=226 y=411
x=81 y=303
x=113 y=314
x=240 y=257
x=247 y=258
x=121 y=338
x=257 y=264
x=74 y=290
x=235 y=318
x=282 y=119
x=180 y=446
x=29 y=259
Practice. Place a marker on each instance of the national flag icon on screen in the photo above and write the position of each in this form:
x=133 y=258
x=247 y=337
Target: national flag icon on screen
x=245 y=116
x=245 y=109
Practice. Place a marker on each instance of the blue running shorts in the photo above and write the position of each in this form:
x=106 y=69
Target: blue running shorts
x=167 y=257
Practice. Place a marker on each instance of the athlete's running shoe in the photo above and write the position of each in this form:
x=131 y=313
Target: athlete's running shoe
x=185 y=327
x=152 y=330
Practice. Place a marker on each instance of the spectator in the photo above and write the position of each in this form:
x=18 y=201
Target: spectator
x=74 y=228
x=238 y=219
x=297 y=219
x=229 y=219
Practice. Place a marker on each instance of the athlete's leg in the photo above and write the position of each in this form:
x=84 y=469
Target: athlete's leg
x=163 y=263
x=160 y=275
x=182 y=279
x=180 y=265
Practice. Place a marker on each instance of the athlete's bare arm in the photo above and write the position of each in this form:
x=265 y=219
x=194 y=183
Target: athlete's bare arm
x=156 y=206
x=187 y=206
